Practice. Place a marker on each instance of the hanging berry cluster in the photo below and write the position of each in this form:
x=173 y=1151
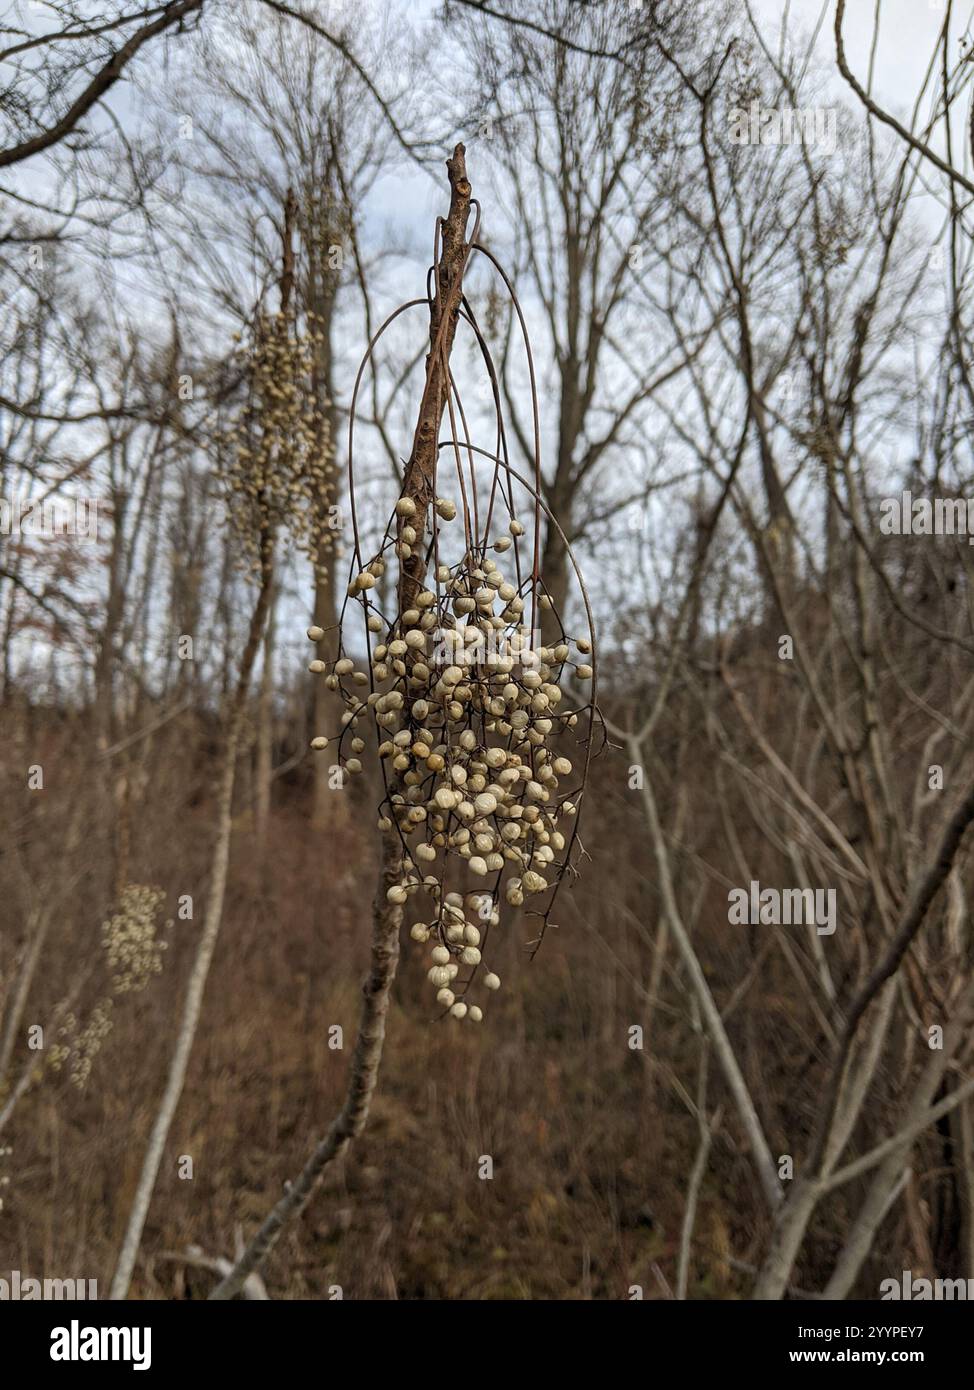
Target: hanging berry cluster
x=277 y=453
x=482 y=732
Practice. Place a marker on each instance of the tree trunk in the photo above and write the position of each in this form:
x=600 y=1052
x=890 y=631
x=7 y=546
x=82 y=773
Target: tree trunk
x=193 y=1002
x=265 y=733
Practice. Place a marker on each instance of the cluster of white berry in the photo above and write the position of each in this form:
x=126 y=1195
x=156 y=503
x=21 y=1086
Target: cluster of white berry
x=275 y=457
x=472 y=718
x=131 y=939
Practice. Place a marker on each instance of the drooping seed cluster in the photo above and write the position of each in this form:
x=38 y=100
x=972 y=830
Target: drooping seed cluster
x=134 y=954
x=133 y=948
x=474 y=719
x=90 y=1042
x=277 y=453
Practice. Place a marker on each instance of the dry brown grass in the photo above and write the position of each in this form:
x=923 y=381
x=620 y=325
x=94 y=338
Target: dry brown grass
x=591 y=1142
